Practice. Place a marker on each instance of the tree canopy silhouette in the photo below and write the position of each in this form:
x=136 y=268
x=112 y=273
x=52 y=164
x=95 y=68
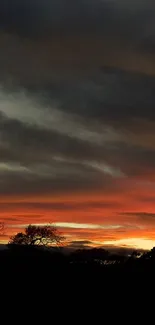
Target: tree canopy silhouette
x=35 y=235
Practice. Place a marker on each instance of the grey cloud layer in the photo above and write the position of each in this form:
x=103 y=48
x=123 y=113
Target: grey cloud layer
x=48 y=149
x=129 y=19
x=61 y=130
x=103 y=27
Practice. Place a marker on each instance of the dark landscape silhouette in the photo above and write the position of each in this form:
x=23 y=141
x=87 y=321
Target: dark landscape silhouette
x=47 y=275
x=29 y=254
x=77 y=148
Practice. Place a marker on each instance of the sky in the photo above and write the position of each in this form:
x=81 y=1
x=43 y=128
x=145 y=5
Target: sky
x=77 y=119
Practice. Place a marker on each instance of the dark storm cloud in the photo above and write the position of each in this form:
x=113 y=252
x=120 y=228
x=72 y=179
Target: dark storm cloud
x=64 y=35
x=82 y=30
x=73 y=130
x=40 y=17
x=42 y=143
x=109 y=94
x=28 y=145
x=30 y=17
x=68 y=152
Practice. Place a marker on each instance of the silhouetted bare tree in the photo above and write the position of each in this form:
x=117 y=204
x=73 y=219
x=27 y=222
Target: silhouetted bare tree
x=35 y=235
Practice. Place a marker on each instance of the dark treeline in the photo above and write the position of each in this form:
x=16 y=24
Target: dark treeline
x=39 y=260
x=31 y=251
x=35 y=271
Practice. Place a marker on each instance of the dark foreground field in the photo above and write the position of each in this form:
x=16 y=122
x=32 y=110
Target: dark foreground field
x=47 y=278
x=23 y=262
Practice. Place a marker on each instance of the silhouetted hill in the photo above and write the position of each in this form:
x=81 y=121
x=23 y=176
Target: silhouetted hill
x=21 y=259
x=40 y=273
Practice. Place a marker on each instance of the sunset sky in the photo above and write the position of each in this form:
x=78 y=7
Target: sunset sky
x=77 y=119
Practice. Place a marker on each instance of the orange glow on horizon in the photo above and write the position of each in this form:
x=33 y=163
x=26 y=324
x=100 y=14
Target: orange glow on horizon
x=131 y=209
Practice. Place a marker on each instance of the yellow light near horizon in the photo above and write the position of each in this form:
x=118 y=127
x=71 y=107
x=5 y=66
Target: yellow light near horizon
x=138 y=243
x=135 y=243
